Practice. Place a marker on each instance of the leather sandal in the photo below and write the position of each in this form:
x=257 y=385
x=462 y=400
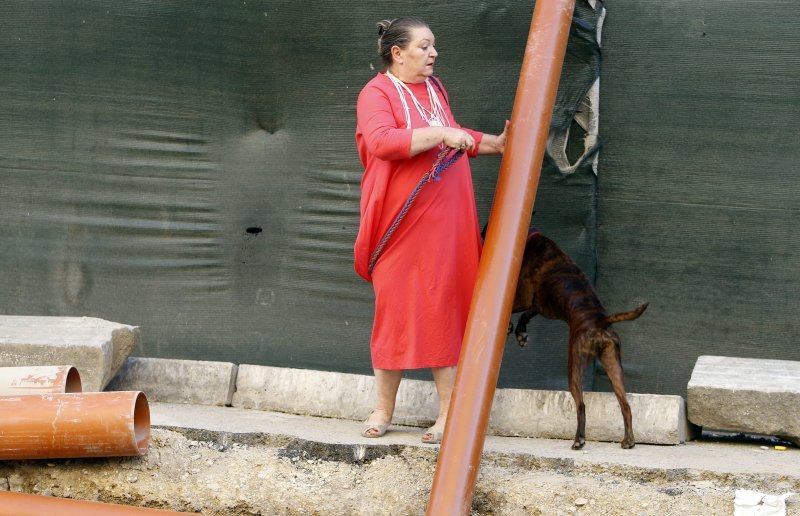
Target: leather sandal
x=381 y=429
x=436 y=436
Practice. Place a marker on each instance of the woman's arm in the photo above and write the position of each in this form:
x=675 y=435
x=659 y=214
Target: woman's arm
x=494 y=144
x=482 y=143
x=426 y=138
x=376 y=123
x=388 y=142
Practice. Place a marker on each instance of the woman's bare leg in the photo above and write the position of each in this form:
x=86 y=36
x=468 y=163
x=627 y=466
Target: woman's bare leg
x=387 y=382
x=443 y=378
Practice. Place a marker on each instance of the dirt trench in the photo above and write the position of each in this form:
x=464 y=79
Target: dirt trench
x=242 y=474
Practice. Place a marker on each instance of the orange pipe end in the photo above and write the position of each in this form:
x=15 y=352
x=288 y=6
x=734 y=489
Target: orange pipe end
x=485 y=335
x=39 y=380
x=20 y=504
x=62 y=426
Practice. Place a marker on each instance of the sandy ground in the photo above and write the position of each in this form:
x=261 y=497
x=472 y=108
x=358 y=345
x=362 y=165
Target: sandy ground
x=231 y=474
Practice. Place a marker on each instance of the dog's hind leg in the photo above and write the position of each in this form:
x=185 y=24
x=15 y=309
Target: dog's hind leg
x=610 y=358
x=576 y=365
x=522 y=327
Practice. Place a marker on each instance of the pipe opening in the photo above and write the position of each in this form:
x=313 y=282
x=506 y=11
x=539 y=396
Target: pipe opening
x=73 y=382
x=141 y=423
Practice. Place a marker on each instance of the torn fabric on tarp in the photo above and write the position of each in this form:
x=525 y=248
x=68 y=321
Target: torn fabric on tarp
x=578 y=97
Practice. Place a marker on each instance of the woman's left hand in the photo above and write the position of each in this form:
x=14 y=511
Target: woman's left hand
x=500 y=144
x=494 y=144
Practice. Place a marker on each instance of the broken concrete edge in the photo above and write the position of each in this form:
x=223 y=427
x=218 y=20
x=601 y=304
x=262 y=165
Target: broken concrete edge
x=96 y=347
x=658 y=419
x=309 y=449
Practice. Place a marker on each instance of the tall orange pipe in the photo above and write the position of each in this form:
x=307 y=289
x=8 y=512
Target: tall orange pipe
x=62 y=426
x=39 y=380
x=479 y=365
x=20 y=504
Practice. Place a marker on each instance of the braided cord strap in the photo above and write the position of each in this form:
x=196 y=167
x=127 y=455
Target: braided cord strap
x=446 y=157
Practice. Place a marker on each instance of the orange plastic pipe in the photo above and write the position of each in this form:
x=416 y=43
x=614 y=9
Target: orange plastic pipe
x=61 y=426
x=479 y=364
x=20 y=504
x=39 y=380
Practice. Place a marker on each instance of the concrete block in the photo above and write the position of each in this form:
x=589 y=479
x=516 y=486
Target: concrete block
x=329 y=394
x=97 y=348
x=178 y=381
x=749 y=395
x=657 y=419
x=516 y=412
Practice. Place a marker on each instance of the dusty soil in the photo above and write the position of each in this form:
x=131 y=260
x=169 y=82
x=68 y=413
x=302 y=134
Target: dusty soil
x=220 y=474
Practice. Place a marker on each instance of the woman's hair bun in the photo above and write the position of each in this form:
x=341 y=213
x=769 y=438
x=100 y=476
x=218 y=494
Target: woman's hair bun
x=383 y=26
x=395 y=33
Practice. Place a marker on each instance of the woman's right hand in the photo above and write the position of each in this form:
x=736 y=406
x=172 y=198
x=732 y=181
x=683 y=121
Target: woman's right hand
x=426 y=138
x=458 y=139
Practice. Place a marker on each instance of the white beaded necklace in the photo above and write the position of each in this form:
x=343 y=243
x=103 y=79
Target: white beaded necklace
x=435 y=117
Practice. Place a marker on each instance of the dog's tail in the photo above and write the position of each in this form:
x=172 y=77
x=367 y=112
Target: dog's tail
x=623 y=316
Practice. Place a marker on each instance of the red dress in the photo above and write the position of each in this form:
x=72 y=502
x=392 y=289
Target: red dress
x=424 y=279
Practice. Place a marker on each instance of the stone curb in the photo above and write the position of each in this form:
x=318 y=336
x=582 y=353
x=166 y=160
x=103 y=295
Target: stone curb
x=329 y=394
x=178 y=381
x=658 y=419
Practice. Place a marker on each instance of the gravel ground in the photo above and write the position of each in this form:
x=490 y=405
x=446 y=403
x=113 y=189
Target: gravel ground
x=217 y=474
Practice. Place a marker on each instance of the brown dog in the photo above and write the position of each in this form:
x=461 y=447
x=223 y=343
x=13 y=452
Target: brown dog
x=552 y=285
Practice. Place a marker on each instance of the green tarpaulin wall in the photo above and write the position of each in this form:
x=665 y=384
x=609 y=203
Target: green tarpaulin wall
x=699 y=198
x=190 y=167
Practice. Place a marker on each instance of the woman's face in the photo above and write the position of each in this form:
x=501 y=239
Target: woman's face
x=415 y=62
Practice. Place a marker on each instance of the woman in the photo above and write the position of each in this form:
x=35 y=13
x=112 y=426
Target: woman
x=424 y=278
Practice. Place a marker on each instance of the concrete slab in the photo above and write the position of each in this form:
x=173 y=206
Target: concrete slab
x=516 y=412
x=178 y=381
x=749 y=395
x=97 y=348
